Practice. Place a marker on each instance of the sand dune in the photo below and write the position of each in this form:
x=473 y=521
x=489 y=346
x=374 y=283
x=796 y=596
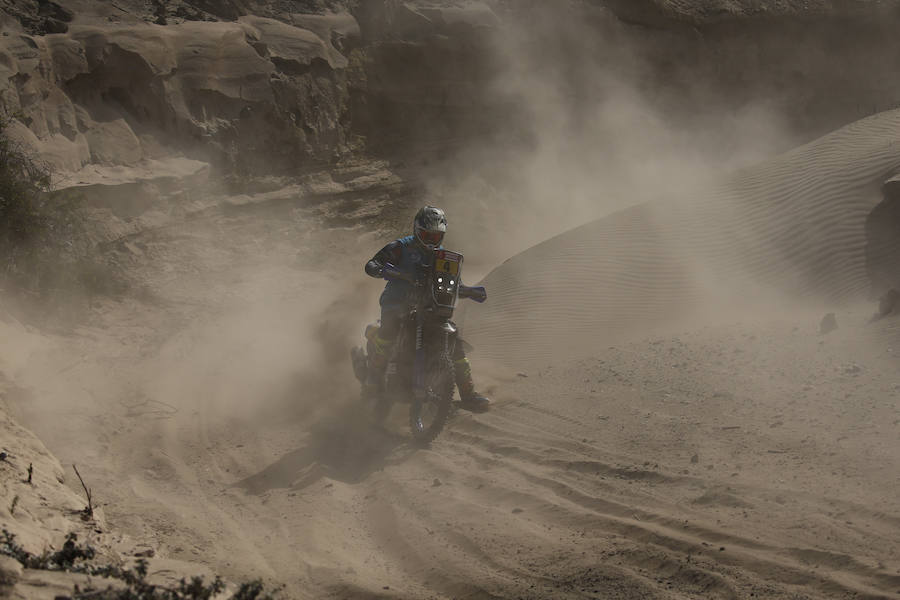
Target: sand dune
x=790 y=229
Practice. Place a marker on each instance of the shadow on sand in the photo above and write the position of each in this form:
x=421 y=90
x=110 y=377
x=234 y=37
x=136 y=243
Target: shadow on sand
x=347 y=447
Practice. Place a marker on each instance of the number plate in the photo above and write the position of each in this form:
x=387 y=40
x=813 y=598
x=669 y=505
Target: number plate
x=442 y=265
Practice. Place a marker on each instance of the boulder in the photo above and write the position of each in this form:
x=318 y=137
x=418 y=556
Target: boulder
x=10 y=570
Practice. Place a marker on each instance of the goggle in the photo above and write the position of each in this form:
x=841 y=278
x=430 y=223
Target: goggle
x=430 y=238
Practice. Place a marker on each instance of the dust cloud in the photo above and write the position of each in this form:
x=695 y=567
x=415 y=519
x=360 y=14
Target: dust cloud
x=593 y=127
x=685 y=332
x=265 y=355
x=222 y=423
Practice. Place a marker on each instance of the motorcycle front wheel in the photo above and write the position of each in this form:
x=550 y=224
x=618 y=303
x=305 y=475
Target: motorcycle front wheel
x=427 y=417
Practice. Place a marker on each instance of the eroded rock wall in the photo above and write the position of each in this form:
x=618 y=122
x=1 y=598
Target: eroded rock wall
x=284 y=85
x=242 y=94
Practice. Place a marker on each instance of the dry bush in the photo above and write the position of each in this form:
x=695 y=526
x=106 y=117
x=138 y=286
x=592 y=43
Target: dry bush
x=45 y=248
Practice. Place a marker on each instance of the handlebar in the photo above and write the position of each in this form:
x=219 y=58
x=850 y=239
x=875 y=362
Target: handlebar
x=478 y=294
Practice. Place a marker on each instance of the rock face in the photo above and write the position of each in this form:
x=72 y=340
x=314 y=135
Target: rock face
x=245 y=91
x=118 y=94
x=265 y=85
x=706 y=12
x=39 y=17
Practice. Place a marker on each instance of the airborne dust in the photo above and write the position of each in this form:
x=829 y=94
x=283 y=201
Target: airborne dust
x=218 y=419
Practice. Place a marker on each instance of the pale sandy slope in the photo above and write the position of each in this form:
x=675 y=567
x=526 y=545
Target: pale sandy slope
x=790 y=229
x=580 y=484
x=220 y=419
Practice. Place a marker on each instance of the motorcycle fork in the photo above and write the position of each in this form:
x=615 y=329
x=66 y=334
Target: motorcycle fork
x=419 y=363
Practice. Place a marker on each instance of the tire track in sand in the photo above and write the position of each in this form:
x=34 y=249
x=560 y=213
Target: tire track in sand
x=588 y=492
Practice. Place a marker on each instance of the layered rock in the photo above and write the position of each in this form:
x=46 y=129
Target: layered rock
x=264 y=85
x=706 y=12
x=246 y=92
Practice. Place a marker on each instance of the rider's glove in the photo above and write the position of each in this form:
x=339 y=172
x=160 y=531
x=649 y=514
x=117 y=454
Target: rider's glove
x=374 y=269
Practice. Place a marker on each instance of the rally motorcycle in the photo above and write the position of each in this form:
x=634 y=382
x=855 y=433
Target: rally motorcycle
x=420 y=368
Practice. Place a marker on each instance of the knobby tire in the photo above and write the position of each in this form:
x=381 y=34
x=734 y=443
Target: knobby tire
x=439 y=385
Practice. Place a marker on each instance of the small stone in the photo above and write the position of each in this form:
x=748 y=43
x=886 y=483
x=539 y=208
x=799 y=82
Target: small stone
x=828 y=324
x=695 y=459
x=10 y=570
x=521 y=374
x=516 y=511
x=436 y=483
x=3 y=455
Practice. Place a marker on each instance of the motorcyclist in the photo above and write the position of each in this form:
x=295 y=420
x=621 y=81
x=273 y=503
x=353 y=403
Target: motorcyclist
x=404 y=254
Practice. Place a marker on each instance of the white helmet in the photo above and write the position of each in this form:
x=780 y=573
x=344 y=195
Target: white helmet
x=429 y=227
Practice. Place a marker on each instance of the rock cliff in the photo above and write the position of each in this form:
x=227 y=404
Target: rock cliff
x=263 y=86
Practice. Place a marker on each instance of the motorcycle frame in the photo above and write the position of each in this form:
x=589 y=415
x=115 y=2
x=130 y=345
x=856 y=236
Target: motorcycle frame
x=426 y=306
x=426 y=301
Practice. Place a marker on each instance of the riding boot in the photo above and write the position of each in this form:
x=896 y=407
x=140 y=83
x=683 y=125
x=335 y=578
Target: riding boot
x=469 y=398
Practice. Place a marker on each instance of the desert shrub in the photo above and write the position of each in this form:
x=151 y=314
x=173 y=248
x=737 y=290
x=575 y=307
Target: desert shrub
x=61 y=560
x=46 y=251
x=75 y=557
x=24 y=184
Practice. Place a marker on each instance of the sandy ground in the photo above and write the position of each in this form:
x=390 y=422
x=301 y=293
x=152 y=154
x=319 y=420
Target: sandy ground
x=215 y=417
x=219 y=422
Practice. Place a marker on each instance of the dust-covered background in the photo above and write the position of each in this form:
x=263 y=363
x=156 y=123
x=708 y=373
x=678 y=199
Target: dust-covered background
x=663 y=201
